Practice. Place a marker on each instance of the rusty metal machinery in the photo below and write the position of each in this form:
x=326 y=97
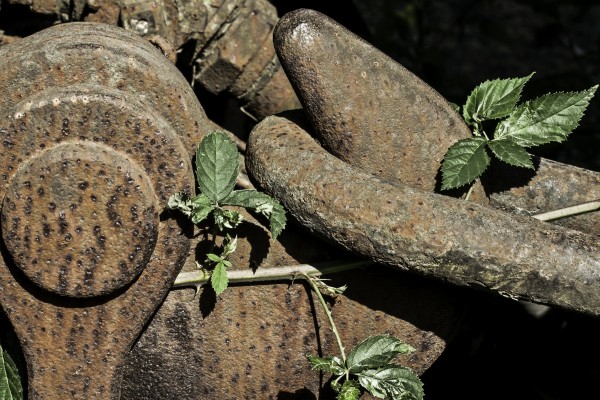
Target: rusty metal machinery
x=228 y=43
x=96 y=131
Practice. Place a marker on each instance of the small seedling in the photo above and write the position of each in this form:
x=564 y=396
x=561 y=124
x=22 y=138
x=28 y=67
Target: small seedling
x=549 y=118
x=369 y=364
x=217 y=166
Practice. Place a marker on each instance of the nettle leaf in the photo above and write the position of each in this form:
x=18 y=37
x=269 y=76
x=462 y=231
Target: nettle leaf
x=218 y=278
x=213 y=257
x=393 y=381
x=227 y=218
x=511 y=153
x=261 y=203
x=350 y=390
x=10 y=380
x=201 y=208
x=549 y=118
x=375 y=352
x=182 y=202
x=493 y=99
x=333 y=365
x=217 y=166
x=464 y=162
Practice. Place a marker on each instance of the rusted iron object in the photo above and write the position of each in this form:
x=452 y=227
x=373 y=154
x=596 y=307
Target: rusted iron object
x=227 y=42
x=379 y=117
x=252 y=342
x=438 y=236
x=96 y=129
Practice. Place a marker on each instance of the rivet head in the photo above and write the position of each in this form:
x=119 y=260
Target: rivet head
x=84 y=212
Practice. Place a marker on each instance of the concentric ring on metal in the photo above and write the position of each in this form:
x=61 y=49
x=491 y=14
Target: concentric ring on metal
x=84 y=173
x=80 y=219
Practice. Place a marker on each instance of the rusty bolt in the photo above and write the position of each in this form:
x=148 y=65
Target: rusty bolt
x=96 y=132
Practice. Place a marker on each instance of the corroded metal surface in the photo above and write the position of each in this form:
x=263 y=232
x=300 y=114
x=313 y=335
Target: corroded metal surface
x=227 y=42
x=365 y=108
x=552 y=186
x=439 y=236
x=130 y=66
x=252 y=341
x=379 y=117
x=96 y=133
x=47 y=224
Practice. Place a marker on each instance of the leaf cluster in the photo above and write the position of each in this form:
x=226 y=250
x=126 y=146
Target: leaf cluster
x=549 y=118
x=217 y=167
x=370 y=366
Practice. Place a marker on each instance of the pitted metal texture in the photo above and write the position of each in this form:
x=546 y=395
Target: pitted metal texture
x=55 y=240
x=96 y=131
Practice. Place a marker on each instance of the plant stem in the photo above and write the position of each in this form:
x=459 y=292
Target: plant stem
x=470 y=190
x=311 y=281
x=569 y=211
x=288 y=272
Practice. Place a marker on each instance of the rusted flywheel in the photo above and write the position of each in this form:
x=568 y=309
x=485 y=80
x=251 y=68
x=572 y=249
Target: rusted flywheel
x=96 y=128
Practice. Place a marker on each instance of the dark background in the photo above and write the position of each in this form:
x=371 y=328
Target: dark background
x=503 y=350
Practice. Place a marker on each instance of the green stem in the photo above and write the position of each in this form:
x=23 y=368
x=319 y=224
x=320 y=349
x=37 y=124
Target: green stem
x=569 y=211
x=470 y=190
x=315 y=288
x=282 y=273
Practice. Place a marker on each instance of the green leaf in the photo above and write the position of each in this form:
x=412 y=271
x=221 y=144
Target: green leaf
x=350 y=390
x=227 y=218
x=201 y=208
x=261 y=203
x=10 y=380
x=229 y=246
x=493 y=99
x=217 y=166
x=197 y=208
x=464 y=162
x=218 y=278
x=549 y=118
x=375 y=352
x=392 y=381
x=181 y=202
x=213 y=257
x=511 y=153
x=333 y=365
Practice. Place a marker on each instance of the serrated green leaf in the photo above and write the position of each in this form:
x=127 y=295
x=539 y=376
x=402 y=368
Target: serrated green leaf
x=262 y=203
x=10 y=380
x=213 y=257
x=549 y=118
x=511 y=153
x=375 y=352
x=350 y=390
x=392 y=381
x=217 y=166
x=201 y=211
x=333 y=365
x=218 y=278
x=181 y=202
x=229 y=246
x=464 y=162
x=227 y=218
x=493 y=99
x=197 y=208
